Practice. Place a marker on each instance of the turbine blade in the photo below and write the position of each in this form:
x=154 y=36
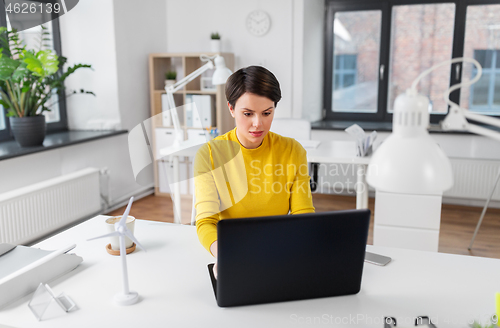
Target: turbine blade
x=129 y=234
x=127 y=210
x=115 y=233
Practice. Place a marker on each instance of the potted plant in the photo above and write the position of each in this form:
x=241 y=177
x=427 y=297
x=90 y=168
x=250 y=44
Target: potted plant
x=215 y=42
x=170 y=77
x=28 y=80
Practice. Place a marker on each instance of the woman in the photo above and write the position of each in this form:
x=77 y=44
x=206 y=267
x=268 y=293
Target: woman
x=249 y=171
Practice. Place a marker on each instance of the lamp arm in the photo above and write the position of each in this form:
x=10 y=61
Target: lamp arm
x=171 y=102
x=456 y=86
x=457 y=117
x=482 y=118
x=457 y=120
x=190 y=77
x=476 y=129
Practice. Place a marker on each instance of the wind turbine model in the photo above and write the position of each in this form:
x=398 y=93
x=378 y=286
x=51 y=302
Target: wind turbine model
x=127 y=297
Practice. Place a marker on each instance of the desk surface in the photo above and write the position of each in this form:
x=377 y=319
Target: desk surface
x=175 y=288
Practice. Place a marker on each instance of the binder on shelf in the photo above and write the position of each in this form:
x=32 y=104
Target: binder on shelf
x=189 y=110
x=204 y=107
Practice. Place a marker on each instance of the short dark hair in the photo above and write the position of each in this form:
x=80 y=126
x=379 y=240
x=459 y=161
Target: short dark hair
x=253 y=79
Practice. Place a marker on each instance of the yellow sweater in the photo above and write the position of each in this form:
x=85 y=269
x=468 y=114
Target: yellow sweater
x=232 y=181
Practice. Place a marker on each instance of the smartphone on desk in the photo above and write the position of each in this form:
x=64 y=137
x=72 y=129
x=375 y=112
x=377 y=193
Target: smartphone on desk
x=377 y=259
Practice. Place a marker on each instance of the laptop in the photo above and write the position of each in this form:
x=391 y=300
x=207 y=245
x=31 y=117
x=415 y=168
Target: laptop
x=290 y=257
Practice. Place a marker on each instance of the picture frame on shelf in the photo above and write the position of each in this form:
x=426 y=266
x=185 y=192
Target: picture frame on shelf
x=206 y=84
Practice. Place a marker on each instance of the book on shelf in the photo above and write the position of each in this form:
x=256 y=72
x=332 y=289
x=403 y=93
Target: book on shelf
x=201 y=114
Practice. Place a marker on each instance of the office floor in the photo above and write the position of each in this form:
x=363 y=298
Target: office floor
x=457 y=222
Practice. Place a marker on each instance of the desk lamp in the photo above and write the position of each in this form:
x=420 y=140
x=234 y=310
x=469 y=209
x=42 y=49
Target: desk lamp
x=220 y=76
x=410 y=172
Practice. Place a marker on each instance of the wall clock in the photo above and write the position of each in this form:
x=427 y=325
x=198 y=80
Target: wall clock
x=258 y=22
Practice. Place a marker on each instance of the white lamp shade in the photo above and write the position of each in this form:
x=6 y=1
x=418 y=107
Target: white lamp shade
x=410 y=166
x=222 y=73
x=409 y=161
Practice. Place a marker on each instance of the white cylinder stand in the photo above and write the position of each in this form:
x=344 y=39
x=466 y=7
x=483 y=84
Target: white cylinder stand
x=126 y=299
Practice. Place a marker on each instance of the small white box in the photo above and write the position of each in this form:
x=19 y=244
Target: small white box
x=195 y=134
x=164 y=138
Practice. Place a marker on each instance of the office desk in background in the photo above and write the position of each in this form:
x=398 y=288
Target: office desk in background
x=327 y=152
x=343 y=152
x=175 y=288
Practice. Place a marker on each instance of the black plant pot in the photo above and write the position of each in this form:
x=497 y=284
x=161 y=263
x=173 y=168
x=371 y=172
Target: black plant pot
x=28 y=131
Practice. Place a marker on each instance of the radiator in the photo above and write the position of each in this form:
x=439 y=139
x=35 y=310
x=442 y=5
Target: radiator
x=473 y=180
x=29 y=213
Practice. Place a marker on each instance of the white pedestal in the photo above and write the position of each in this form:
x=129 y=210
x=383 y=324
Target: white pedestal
x=407 y=221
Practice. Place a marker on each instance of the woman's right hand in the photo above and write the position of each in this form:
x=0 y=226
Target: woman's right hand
x=213 y=250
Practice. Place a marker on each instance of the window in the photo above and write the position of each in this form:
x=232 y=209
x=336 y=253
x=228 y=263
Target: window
x=345 y=71
x=485 y=94
x=482 y=42
x=56 y=118
x=421 y=36
x=353 y=84
x=375 y=49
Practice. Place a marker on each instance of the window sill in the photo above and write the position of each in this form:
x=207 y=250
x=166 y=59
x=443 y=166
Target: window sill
x=342 y=125
x=10 y=149
x=381 y=127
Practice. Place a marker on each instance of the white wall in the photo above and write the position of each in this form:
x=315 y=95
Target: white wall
x=312 y=61
x=190 y=22
x=88 y=37
x=292 y=49
x=298 y=32
x=137 y=34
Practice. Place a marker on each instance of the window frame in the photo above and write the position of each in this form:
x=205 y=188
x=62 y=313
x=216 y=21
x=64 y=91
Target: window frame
x=332 y=8
x=386 y=6
x=62 y=124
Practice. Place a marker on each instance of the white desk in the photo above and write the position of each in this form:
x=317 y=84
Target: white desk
x=176 y=291
x=343 y=152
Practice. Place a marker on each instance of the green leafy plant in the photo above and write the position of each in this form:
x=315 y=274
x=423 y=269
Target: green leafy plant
x=171 y=75
x=215 y=36
x=478 y=325
x=490 y=324
x=30 y=77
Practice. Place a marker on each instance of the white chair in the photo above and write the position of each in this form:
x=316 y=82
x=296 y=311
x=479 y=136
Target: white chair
x=299 y=130
x=292 y=128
